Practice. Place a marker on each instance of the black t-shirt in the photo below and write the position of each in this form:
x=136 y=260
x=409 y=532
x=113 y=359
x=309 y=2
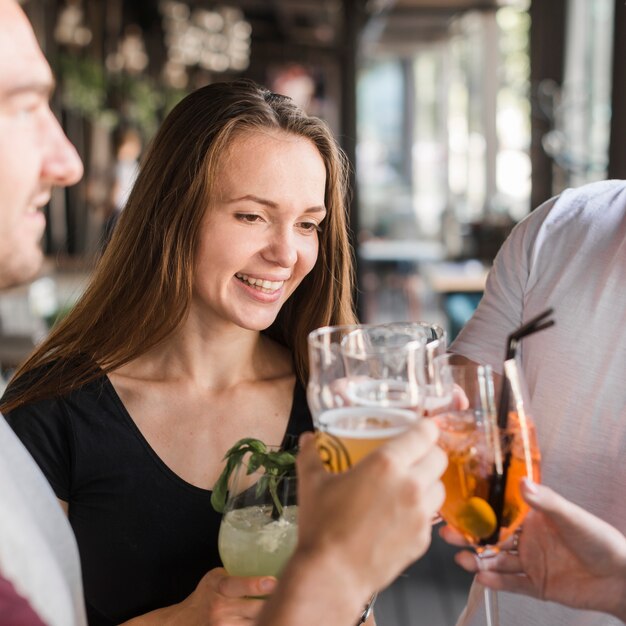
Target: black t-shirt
x=146 y=537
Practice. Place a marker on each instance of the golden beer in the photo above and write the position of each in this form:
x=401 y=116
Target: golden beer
x=348 y=434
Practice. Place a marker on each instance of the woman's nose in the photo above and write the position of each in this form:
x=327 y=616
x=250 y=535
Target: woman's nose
x=281 y=248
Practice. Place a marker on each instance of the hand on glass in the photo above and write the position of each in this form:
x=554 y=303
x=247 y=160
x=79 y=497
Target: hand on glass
x=358 y=529
x=218 y=600
x=564 y=554
x=376 y=516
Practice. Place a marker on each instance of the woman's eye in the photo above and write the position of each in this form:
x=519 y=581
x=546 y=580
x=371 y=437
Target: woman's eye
x=248 y=218
x=311 y=227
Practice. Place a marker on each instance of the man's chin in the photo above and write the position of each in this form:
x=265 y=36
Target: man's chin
x=20 y=268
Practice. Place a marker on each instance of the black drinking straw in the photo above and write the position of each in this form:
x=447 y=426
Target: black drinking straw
x=534 y=325
x=498 y=480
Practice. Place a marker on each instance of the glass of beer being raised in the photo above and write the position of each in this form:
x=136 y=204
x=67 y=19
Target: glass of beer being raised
x=436 y=345
x=365 y=386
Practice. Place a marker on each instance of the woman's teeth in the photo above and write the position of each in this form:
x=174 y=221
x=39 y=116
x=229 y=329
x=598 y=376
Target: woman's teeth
x=266 y=286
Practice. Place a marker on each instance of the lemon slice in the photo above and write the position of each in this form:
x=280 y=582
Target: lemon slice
x=476 y=518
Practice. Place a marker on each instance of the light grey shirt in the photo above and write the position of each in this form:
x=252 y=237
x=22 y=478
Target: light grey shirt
x=569 y=254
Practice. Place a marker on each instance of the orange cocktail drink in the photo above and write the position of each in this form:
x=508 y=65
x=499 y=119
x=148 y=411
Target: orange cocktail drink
x=473 y=469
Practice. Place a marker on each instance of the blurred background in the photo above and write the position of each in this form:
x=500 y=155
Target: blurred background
x=459 y=117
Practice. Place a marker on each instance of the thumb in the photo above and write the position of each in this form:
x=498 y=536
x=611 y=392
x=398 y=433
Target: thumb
x=575 y=525
x=245 y=586
x=548 y=502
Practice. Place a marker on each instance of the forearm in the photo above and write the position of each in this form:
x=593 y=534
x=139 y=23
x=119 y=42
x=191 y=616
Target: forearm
x=315 y=589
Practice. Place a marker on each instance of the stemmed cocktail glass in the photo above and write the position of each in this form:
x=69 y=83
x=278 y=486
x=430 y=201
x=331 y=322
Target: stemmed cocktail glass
x=487 y=456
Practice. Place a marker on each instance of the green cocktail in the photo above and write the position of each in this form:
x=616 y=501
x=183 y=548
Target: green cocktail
x=257 y=495
x=252 y=543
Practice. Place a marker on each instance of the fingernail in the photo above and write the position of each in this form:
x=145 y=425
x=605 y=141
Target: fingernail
x=530 y=486
x=267 y=584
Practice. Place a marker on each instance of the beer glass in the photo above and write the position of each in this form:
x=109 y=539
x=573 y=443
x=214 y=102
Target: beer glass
x=364 y=387
x=436 y=345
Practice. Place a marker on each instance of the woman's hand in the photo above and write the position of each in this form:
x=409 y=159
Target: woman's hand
x=218 y=600
x=564 y=554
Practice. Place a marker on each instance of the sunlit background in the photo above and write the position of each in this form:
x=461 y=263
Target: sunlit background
x=459 y=117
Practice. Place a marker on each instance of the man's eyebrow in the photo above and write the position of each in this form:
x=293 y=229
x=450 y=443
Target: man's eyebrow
x=273 y=205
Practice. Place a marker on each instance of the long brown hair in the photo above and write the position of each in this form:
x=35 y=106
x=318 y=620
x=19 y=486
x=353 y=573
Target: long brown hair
x=141 y=289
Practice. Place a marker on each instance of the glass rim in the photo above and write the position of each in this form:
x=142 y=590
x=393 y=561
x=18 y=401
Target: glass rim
x=315 y=337
x=323 y=331
x=408 y=346
x=316 y=340
x=442 y=333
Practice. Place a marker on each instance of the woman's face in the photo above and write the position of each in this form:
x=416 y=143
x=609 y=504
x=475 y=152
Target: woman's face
x=259 y=238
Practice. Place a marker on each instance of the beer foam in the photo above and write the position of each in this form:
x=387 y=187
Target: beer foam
x=366 y=422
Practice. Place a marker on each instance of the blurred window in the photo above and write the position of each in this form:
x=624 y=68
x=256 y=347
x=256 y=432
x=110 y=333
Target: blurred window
x=444 y=129
x=381 y=126
x=580 y=112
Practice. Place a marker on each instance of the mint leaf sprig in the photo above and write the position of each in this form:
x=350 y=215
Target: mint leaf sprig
x=276 y=463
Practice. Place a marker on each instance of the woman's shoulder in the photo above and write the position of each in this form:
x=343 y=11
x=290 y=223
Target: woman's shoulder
x=52 y=383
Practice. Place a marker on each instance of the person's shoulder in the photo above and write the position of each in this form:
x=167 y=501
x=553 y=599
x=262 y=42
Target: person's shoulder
x=26 y=380
x=52 y=377
x=590 y=202
x=577 y=209
x=605 y=190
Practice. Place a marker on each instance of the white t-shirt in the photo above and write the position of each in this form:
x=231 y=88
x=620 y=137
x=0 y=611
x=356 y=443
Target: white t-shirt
x=569 y=254
x=38 y=552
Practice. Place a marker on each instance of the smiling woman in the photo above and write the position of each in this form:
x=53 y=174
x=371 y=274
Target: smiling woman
x=192 y=335
x=263 y=225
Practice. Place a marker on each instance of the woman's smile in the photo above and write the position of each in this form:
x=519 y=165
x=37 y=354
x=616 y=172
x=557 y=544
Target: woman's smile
x=261 y=284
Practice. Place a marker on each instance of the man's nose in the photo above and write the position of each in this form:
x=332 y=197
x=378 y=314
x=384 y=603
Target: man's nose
x=61 y=165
